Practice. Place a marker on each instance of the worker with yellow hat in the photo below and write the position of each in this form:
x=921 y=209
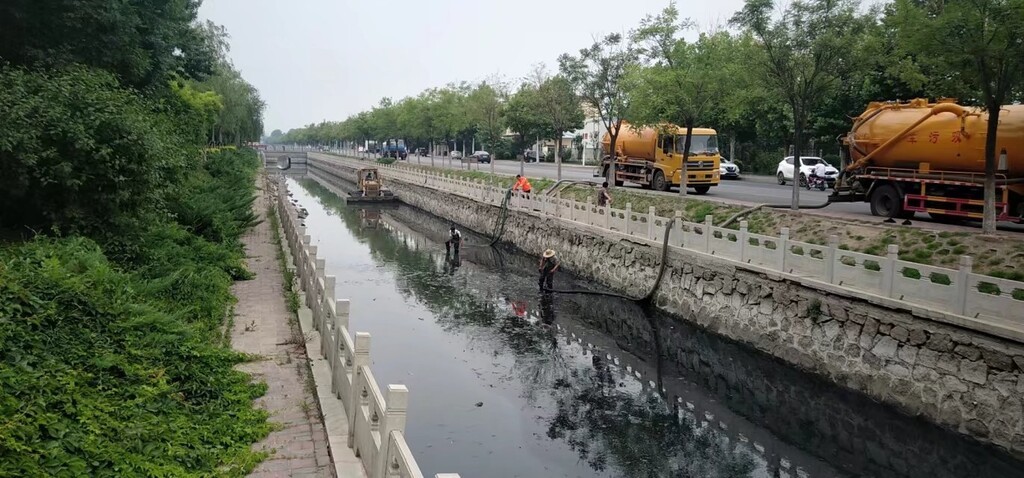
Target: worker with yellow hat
x=548 y=266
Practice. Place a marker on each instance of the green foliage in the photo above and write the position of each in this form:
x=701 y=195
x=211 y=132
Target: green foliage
x=115 y=369
x=681 y=79
x=143 y=42
x=86 y=152
x=805 y=54
x=598 y=74
x=240 y=119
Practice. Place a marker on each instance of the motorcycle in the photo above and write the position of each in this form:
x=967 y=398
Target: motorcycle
x=816 y=182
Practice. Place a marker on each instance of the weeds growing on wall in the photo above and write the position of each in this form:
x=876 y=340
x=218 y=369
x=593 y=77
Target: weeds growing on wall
x=110 y=359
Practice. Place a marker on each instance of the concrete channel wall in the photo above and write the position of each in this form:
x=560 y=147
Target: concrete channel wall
x=374 y=423
x=965 y=373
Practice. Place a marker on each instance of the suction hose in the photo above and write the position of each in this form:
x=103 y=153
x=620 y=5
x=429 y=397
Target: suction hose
x=499 y=224
x=654 y=288
x=750 y=210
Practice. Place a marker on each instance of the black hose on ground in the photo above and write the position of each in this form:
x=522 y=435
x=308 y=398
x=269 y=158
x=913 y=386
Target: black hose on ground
x=654 y=288
x=753 y=209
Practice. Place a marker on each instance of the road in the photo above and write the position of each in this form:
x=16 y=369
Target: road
x=749 y=191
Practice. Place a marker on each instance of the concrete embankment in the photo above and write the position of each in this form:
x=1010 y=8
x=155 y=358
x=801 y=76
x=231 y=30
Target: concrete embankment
x=964 y=379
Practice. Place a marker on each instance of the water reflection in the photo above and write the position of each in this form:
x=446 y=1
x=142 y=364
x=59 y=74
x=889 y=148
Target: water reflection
x=634 y=393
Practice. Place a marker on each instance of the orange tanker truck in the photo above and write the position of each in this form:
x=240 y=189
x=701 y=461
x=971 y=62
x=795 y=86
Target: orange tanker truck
x=653 y=158
x=905 y=158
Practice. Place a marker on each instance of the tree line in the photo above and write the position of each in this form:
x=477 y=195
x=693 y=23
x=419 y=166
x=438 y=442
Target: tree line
x=120 y=238
x=770 y=83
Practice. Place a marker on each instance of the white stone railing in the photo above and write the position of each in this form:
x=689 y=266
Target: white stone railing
x=993 y=304
x=376 y=422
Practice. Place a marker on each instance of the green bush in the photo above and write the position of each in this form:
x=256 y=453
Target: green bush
x=99 y=378
x=85 y=151
x=111 y=364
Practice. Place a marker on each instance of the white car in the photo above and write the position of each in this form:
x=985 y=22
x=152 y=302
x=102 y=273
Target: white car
x=785 y=170
x=728 y=169
x=456 y=154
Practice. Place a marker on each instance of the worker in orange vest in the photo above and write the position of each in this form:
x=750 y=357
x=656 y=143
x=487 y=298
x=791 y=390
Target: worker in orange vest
x=522 y=184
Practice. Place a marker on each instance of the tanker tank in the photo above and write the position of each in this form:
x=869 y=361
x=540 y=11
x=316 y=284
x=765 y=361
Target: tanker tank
x=951 y=139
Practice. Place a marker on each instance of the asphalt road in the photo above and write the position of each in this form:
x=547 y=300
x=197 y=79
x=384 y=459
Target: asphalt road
x=749 y=190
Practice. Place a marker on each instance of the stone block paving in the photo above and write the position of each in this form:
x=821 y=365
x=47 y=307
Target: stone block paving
x=264 y=326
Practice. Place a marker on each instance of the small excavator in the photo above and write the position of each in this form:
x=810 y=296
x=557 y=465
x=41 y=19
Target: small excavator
x=371 y=189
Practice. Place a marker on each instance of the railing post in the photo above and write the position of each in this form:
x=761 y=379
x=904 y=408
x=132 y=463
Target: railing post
x=781 y=247
x=310 y=277
x=397 y=402
x=650 y=223
x=679 y=227
x=708 y=224
x=830 y=259
x=743 y=241
x=318 y=297
x=892 y=254
x=340 y=327
x=963 y=277
x=629 y=218
x=361 y=356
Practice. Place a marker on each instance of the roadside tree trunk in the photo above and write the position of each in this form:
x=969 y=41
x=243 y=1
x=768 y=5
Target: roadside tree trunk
x=683 y=173
x=558 y=155
x=988 y=220
x=797 y=137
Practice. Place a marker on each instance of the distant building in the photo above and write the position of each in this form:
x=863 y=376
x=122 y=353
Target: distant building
x=592 y=132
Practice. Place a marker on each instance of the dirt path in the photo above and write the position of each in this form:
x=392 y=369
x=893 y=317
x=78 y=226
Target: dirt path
x=263 y=325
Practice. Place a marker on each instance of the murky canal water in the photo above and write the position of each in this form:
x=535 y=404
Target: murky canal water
x=507 y=382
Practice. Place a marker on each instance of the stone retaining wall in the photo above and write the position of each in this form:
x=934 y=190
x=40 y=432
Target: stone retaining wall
x=965 y=380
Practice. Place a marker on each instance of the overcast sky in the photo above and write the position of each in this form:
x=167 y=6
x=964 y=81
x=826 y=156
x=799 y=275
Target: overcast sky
x=327 y=59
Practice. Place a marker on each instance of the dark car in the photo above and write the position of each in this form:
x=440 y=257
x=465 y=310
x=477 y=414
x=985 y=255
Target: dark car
x=480 y=157
x=421 y=151
x=530 y=156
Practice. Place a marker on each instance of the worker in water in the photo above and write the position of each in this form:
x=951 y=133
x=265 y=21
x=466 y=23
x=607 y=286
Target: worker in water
x=454 y=241
x=603 y=198
x=548 y=266
x=522 y=184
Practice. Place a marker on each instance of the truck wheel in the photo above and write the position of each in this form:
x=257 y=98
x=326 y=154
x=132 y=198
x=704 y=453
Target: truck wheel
x=659 y=183
x=886 y=201
x=702 y=189
x=781 y=178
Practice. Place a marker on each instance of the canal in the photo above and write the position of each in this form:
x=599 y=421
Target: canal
x=507 y=382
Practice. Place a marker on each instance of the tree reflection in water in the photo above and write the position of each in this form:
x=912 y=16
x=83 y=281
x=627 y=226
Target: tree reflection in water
x=611 y=426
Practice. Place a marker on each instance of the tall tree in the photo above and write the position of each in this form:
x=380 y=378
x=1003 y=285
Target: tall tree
x=683 y=78
x=804 y=56
x=598 y=75
x=562 y=110
x=978 y=44
x=485 y=105
x=522 y=117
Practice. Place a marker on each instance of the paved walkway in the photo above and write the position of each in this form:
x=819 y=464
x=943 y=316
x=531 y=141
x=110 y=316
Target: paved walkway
x=264 y=326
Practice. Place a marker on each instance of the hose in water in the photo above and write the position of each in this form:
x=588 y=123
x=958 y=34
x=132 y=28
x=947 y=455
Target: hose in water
x=657 y=281
x=499 y=225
